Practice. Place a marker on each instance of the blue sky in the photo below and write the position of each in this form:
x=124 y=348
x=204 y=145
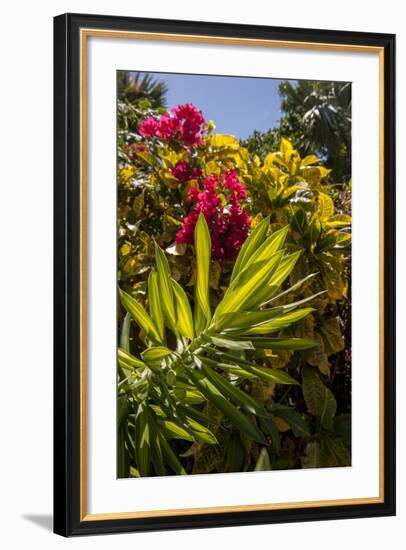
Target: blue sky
x=237 y=105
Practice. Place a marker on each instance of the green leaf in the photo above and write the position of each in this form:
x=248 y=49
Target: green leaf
x=276 y=376
x=247 y=296
x=235 y=454
x=268 y=426
x=298 y=424
x=174 y=430
x=248 y=319
x=339 y=454
x=251 y=244
x=142 y=441
x=128 y=361
x=123 y=458
x=276 y=324
x=295 y=287
x=276 y=276
x=232 y=392
x=125 y=333
x=165 y=286
x=264 y=462
x=192 y=412
x=319 y=399
x=201 y=433
x=183 y=312
x=155 y=355
x=239 y=420
x=122 y=409
x=282 y=343
x=140 y=316
x=272 y=244
x=326 y=205
x=313 y=456
x=228 y=343
x=331 y=332
x=339 y=220
x=203 y=254
x=155 y=308
x=170 y=456
x=284 y=269
x=157 y=455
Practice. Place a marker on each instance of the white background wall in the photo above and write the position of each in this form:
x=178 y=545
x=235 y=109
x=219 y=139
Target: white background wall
x=26 y=270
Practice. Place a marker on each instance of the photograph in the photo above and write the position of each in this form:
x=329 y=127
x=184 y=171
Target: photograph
x=233 y=274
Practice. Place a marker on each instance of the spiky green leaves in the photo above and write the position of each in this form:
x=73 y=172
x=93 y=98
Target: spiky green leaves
x=203 y=255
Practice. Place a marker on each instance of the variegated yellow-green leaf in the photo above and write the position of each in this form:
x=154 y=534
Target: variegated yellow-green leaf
x=310 y=159
x=282 y=343
x=155 y=308
x=326 y=205
x=154 y=355
x=128 y=361
x=183 y=312
x=271 y=245
x=277 y=323
x=142 y=441
x=263 y=463
x=286 y=149
x=175 y=431
x=223 y=140
x=284 y=269
x=125 y=333
x=247 y=294
x=140 y=316
x=339 y=220
x=251 y=244
x=203 y=254
x=273 y=375
x=165 y=286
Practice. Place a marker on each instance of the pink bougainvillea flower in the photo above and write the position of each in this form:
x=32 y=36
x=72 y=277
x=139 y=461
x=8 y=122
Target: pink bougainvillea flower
x=148 y=127
x=191 y=123
x=184 y=122
x=232 y=182
x=219 y=199
x=184 y=172
x=167 y=127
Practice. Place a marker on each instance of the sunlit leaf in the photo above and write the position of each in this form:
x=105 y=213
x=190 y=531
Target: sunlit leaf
x=165 y=286
x=203 y=254
x=183 y=311
x=140 y=316
x=155 y=308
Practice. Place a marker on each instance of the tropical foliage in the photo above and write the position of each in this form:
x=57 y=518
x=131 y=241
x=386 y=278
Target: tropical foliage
x=317 y=119
x=233 y=274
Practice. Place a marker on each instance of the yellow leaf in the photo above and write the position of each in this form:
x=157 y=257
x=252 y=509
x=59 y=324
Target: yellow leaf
x=310 y=159
x=286 y=149
x=223 y=140
x=326 y=206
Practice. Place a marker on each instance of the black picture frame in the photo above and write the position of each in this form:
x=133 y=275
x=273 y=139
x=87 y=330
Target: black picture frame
x=67 y=352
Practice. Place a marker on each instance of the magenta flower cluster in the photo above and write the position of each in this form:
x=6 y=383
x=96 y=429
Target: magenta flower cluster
x=219 y=199
x=184 y=122
x=183 y=171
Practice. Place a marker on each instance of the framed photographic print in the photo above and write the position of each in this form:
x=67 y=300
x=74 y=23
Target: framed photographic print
x=224 y=274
